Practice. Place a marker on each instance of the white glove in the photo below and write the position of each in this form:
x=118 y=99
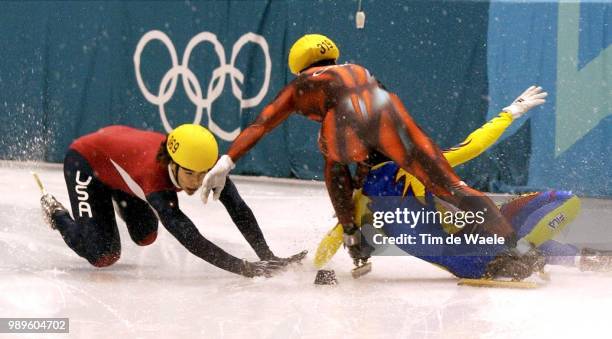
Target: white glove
x=215 y=178
x=532 y=97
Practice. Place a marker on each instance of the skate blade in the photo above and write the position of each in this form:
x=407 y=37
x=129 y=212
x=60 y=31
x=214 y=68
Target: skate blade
x=328 y=246
x=498 y=283
x=362 y=270
x=39 y=183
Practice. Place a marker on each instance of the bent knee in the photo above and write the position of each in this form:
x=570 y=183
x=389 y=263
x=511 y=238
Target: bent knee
x=105 y=260
x=148 y=240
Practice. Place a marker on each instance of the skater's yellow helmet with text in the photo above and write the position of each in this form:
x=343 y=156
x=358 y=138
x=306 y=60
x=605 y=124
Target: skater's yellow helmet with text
x=192 y=147
x=309 y=49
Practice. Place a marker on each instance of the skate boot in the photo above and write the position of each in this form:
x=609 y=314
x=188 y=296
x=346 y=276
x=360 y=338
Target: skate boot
x=595 y=260
x=515 y=266
x=50 y=206
x=359 y=250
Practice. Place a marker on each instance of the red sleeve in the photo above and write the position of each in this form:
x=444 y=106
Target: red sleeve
x=271 y=116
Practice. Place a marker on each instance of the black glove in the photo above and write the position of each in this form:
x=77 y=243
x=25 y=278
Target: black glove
x=296 y=258
x=261 y=268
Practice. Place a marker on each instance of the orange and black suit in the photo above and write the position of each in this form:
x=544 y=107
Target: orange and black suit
x=360 y=118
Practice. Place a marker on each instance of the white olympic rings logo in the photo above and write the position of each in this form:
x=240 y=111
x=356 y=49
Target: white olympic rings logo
x=190 y=81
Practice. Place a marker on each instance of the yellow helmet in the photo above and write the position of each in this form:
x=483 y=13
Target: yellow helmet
x=192 y=147
x=309 y=49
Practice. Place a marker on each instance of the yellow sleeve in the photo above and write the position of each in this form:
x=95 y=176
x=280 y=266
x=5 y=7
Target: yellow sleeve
x=479 y=140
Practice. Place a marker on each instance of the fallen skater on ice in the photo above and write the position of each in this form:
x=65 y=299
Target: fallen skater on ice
x=142 y=172
x=536 y=217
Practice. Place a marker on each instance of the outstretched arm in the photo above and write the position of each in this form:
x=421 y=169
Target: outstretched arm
x=244 y=219
x=484 y=137
x=178 y=224
x=270 y=117
x=479 y=140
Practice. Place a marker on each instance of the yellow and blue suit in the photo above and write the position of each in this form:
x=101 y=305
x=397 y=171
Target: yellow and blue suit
x=538 y=217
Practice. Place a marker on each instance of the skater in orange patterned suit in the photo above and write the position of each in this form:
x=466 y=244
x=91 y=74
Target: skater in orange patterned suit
x=361 y=122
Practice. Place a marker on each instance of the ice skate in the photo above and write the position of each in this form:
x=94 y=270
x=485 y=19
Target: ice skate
x=362 y=267
x=509 y=269
x=50 y=206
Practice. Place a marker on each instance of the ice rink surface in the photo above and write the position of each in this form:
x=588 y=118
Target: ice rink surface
x=162 y=291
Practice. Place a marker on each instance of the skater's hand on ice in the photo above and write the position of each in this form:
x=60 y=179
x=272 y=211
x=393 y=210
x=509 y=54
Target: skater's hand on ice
x=215 y=178
x=532 y=97
x=265 y=268
x=296 y=258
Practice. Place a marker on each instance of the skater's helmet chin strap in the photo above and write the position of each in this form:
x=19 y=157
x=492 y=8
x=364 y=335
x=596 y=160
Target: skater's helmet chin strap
x=172 y=173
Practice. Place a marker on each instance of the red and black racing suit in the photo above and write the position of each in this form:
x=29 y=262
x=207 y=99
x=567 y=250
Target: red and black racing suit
x=119 y=164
